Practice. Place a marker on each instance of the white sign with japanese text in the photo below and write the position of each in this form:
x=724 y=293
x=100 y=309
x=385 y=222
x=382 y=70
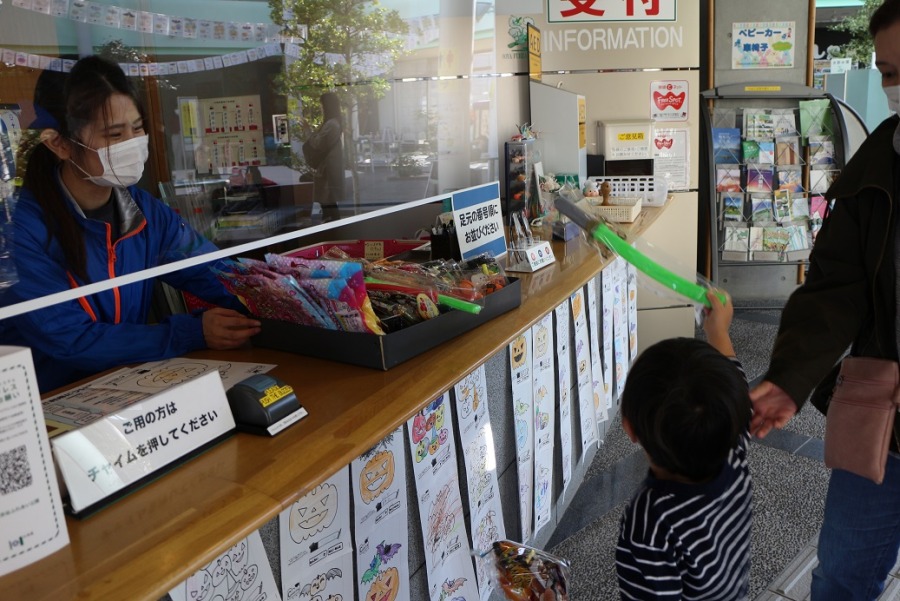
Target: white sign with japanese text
x=102 y=458
x=610 y=10
x=478 y=219
x=32 y=524
x=767 y=45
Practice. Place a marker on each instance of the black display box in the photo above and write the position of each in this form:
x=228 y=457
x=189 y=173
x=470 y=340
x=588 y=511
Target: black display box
x=384 y=352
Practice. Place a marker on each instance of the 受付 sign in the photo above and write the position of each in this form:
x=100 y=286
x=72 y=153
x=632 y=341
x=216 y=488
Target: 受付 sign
x=560 y=11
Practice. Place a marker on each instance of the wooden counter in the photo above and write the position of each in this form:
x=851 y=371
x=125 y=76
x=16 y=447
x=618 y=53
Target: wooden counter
x=142 y=546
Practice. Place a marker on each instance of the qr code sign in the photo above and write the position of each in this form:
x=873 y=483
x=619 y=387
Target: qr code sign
x=15 y=472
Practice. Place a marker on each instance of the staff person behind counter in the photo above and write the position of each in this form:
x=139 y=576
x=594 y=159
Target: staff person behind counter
x=80 y=219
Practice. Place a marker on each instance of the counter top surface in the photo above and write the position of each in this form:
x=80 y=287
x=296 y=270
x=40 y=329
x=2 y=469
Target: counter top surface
x=143 y=545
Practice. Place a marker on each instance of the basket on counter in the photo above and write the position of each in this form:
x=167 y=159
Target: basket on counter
x=652 y=190
x=624 y=209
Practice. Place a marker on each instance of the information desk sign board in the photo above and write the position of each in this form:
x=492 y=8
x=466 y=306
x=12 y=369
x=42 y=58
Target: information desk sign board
x=479 y=221
x=32 y=524
x=106 y=459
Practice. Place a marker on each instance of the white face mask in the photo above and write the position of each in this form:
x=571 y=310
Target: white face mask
x=893 y=98
x=123 y=163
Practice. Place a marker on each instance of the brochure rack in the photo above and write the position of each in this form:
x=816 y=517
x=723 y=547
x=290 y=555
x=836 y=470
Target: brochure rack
x=772 y=150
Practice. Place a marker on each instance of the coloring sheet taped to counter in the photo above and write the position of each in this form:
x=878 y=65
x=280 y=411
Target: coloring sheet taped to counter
x=584 y=378
x=544 y=386
x=477 y=442
x=523 y=424
x=314 y=534
x=564 y=377
x=242 y=573
x=448 y=559
x=595 y=329
x=381 y=528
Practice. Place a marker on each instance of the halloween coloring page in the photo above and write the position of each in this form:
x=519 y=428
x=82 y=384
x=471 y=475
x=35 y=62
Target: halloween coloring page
x=242 y=573
x=564 y=379
x=631 y=278
x=606 y=306
x=477 y=442
x=446 y=541
x=620 y=323
x=544 y=387
x=594 y=330
x=583 y=376
x=523 y=424
x=314 y=534
x=379 y=482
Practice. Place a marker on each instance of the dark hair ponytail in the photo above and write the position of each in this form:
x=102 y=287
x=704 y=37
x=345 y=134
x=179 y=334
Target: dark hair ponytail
x=67 y=104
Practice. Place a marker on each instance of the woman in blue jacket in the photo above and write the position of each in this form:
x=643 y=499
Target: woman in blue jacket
x=80 y=219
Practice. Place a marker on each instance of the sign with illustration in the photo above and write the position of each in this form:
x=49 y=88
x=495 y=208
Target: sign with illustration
x=606 y=307
x=378 y=480
x=620 y=322
x=669 y=100
x=242 y=573
x=448 y=560
x=477 y=442
x=763 y=45
x=314 y=534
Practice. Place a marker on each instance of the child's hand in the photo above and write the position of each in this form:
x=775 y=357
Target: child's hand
x=717 y=320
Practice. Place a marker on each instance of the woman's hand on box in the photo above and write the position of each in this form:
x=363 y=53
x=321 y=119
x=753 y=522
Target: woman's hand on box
x=227 y=329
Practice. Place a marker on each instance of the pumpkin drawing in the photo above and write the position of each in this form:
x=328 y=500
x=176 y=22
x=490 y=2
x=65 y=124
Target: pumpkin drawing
x=377 y=476
x=385 y=587
x=314 y=512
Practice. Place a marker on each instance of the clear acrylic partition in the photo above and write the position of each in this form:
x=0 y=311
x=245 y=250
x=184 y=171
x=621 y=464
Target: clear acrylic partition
x=420 y=109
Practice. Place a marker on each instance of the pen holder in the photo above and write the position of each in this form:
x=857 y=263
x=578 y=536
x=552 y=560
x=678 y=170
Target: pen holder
x=445 y=246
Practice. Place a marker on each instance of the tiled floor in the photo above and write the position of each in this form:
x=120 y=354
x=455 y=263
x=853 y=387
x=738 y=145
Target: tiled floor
x=789 y=480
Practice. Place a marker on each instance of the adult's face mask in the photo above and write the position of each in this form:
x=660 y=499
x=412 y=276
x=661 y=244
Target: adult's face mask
x=893 y=98
x=123 y=162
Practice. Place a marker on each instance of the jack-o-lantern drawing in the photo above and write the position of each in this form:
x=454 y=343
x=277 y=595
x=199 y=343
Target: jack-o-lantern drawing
x=518 y=352
x=377 y=476
x=385 y=587
x=314 y=512
x=576 y=306
x=198 y=586
x=541 y=341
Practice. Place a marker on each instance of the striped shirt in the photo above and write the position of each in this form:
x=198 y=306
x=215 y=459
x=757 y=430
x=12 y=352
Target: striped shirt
x=689 y=541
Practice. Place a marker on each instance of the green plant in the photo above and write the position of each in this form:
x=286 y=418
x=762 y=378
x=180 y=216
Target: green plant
x=410 y=164
x=861 y=46
x=350 y=47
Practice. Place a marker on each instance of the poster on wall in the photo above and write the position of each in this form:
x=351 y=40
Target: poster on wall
x=606 y=306
x=314 y=534
x=620 y=322
x=448 y=561
x=763 y=45
x=231 y=134
x=476 y=439
x=669 y=100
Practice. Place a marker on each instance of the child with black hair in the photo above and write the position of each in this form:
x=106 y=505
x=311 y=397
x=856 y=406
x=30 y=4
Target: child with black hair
x=686 y=532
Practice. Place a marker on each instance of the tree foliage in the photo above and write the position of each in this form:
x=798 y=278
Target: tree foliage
x=861 y=45
x=350 y=48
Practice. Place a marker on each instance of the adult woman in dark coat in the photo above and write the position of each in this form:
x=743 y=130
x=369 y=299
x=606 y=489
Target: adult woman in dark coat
x=324 y=152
